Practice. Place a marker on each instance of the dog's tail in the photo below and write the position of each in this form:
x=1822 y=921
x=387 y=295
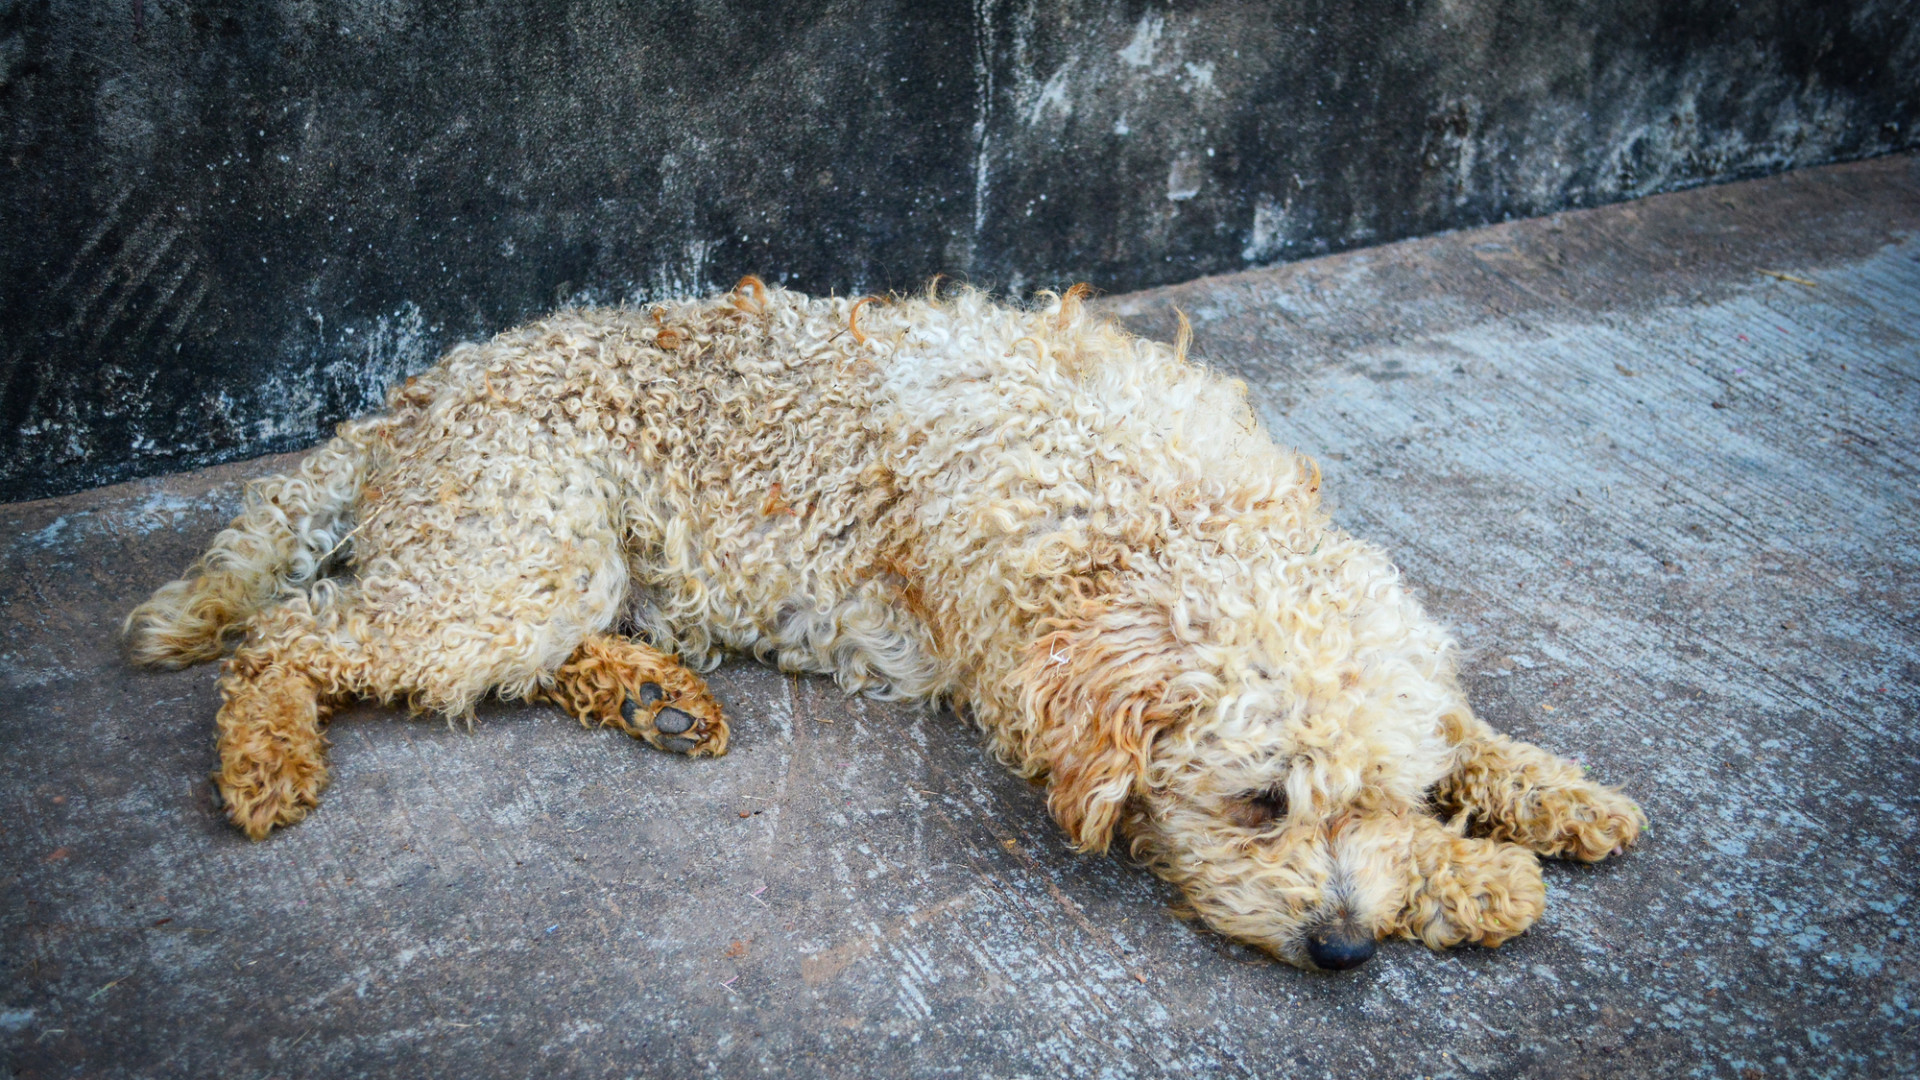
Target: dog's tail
x=288 y=528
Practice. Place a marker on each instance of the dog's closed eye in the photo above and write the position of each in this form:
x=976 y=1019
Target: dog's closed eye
x=1257 y=809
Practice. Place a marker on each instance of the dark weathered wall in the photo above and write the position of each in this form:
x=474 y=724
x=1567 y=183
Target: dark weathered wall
x=228 y=226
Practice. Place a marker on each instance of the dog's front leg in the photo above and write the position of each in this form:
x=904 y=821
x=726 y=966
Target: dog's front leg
x=1517 y=792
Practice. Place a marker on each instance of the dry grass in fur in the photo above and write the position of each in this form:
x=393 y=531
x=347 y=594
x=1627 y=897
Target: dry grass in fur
x=1078 y=538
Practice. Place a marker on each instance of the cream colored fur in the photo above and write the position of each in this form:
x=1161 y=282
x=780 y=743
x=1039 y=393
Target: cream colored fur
x=1078 y=538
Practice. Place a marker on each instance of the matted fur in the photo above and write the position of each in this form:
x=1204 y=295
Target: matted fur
x=1081 y=540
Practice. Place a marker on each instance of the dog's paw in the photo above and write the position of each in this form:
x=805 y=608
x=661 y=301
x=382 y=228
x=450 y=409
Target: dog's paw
x=261 y=794
x=1584 y=821
x=1521 y=794
x=687 y=723
x=273 y=755
x=618 y=682
x=1467 y=891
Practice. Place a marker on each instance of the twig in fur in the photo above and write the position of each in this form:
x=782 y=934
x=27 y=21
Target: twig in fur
x=338 y=544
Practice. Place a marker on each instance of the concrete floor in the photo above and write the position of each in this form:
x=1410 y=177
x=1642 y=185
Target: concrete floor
x=1656 y=466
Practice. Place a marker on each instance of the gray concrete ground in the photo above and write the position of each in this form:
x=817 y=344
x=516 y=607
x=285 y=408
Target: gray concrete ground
x=1655 y=464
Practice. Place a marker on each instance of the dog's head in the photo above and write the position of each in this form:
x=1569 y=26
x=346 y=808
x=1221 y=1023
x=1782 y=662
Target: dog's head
x=1265 y=731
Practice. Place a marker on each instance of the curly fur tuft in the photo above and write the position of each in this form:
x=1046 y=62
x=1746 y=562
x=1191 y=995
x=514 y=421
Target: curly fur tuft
x=278 y=544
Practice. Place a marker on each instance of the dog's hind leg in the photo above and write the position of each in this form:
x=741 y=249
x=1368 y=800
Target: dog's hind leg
x=277 y=690
x=618 y=682
x=1519 y=793
x=463 y=612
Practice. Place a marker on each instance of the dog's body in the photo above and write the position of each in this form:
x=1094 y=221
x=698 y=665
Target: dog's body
x=1073 y=535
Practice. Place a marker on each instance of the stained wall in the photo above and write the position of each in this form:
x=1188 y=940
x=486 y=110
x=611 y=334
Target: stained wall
x=225 y=227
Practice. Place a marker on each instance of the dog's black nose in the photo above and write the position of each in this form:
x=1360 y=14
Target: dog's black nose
x=1339 y=946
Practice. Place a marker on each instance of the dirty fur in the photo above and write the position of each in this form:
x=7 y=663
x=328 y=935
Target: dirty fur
x=1076 y=537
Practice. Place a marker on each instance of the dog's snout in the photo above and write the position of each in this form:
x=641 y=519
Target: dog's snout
x=1339 y=945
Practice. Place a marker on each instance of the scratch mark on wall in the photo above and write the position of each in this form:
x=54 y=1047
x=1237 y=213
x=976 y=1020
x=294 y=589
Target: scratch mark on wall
x=130 y=249
x=187 y=309
x=166 y=292
x=107 y=221
x=130 y=287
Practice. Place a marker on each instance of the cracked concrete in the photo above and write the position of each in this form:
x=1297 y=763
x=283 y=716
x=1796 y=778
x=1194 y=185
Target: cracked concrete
x=1654 y=464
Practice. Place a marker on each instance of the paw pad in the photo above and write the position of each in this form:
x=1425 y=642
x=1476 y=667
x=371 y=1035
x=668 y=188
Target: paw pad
x=645 y=715
x=624 y=684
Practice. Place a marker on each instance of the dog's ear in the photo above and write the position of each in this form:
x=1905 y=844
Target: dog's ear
x=1098 y=691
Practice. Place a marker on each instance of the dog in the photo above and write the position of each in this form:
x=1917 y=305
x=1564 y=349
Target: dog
x=1076 y=537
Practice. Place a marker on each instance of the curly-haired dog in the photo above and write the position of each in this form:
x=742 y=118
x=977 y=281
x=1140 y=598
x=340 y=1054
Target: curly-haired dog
x=1075 y=536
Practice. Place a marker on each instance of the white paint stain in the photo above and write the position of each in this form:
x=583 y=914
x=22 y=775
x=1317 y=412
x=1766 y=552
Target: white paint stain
x=50 y=535
x=394 y=347
x=1269 y=237
x=1052 y=102
x=1140 y=49
x=684 y=276
x=983 y=110
x=1184 y=178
